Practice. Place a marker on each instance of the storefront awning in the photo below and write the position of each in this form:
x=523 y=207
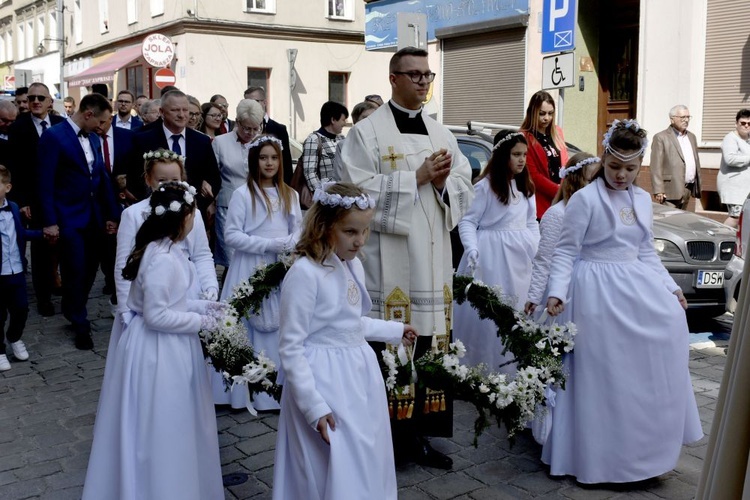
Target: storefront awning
x=105 y=70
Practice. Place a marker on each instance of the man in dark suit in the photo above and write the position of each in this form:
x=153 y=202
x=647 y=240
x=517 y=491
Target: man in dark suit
x=274 y=128
x=124 y=118
x=78 y=204
x=116 y=144
x=23 y=137
x=675 y=166
x=200 y=161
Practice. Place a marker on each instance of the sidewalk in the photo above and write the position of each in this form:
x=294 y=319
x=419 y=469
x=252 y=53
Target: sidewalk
x=48 y=405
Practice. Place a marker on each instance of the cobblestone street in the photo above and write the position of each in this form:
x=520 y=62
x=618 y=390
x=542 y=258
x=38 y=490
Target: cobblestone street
x=48 y=405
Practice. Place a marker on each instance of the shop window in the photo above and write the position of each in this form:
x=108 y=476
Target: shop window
x=258 y=77
x=157 y=8
x=264 y=6
x=103 y=16
x=132 y=11
x=337 y=83
x=134 y=77
x=340 y=9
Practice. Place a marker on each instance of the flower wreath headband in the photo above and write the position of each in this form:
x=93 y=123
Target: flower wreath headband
x=588 y=161
x=506 y=138
x=362 y=201
x=187 y=197
x=163 y=154
x=631 y=124
x=262 y=140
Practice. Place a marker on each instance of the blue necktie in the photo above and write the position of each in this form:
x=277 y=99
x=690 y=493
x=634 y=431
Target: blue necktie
x=176 y=144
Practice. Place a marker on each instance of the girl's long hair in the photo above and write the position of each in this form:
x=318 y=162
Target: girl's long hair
x=498 y=171
x=253 y=177
x=573 y=181
x=317 y=241
x=531 y=120
x=169 y=224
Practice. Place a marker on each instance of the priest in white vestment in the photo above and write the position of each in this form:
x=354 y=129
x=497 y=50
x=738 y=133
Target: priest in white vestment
x=413 y=167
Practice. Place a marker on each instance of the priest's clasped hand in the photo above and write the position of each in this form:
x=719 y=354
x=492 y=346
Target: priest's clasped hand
x=436 y=168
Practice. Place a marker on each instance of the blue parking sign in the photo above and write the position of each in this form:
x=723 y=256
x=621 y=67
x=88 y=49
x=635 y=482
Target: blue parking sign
x=558 y=25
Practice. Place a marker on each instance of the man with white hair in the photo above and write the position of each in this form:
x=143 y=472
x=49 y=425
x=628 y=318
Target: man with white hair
x=675 y=166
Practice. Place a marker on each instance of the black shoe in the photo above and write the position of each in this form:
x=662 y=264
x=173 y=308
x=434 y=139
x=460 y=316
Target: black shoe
x=84 y=341
x=108 y=290
x=57 y=291
x=430 y=457
x=46 y=308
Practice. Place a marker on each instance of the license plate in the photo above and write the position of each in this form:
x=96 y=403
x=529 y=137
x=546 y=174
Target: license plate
x=710 y=279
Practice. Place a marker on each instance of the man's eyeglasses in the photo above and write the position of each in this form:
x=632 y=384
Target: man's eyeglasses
x=40 y=98
x=683 y=118
x=248 y=130
x=416 y=76
x=743 y=123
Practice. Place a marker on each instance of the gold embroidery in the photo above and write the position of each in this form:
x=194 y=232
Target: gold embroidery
x=397 y=306
x=392 y=156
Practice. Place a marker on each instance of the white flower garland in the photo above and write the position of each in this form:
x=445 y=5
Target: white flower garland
x=188 y=197
x=506 y=138
x=362 y=201
x=264 y=139
x=163 y=154
x=588 y=161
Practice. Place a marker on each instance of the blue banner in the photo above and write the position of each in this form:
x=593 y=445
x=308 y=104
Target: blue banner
x=380 y=17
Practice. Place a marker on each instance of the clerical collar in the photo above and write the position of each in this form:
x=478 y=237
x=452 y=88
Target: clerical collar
x=412 y=113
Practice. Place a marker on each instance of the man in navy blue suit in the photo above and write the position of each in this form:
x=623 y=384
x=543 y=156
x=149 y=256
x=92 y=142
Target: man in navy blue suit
x=23 y=138
x=78 y=204
x=172 y=133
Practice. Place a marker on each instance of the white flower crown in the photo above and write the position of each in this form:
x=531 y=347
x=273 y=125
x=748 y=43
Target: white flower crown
x=506 y=138
x=188 y=197
x=627 y=123
x=263 y=139
x=588 y=161
x=362 y=201
x=163 y=154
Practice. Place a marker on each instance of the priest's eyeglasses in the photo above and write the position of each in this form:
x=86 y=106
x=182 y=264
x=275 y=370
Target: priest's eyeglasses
x=416 y=76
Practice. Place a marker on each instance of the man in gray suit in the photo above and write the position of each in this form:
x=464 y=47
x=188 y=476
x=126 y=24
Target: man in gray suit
x=675 y=166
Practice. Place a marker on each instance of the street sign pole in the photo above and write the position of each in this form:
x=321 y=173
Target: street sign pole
x=291 y=55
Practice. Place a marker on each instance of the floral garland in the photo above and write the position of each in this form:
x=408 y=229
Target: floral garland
x=537 y=349
x=231 y=354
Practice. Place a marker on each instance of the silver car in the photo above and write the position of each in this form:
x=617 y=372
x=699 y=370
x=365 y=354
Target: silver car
x=694 y=249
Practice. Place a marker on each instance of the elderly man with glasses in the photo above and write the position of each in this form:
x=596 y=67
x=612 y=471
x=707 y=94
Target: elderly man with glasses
x=675 y=166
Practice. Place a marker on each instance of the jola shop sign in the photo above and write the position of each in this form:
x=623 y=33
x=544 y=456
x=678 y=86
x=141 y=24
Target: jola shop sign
x=158 y=50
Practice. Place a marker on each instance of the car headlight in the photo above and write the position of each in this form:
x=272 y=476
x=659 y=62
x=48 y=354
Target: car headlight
x=666 y=250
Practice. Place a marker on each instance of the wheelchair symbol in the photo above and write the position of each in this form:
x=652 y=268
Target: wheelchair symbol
x=557 y=75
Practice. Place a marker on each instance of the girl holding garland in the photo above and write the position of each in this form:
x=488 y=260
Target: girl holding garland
x=500 y=235
x=262 y=222
x=155 y=434
x=334 y=437
x=628 y=404
x=578 y=172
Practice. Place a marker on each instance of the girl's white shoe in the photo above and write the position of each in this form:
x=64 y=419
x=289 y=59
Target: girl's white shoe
x=4 y=363
x=19 y=350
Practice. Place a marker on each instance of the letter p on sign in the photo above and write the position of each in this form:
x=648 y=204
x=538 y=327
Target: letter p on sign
x=556 y=13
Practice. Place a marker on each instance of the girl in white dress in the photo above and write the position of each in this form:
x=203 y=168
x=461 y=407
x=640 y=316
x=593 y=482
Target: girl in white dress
x=628 y=405
x=334 y=437
x=576 y=174
x=263 y=221
x=155 y=434
x=500 y=235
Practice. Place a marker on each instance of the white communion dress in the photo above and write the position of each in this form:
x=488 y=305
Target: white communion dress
x=628 y=405
x=330 y=368
x=155 y=434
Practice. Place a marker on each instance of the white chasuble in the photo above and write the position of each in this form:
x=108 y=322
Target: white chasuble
x=407 y=258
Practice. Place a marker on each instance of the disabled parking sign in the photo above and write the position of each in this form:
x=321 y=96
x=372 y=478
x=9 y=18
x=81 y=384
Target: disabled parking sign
x=558 y=25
